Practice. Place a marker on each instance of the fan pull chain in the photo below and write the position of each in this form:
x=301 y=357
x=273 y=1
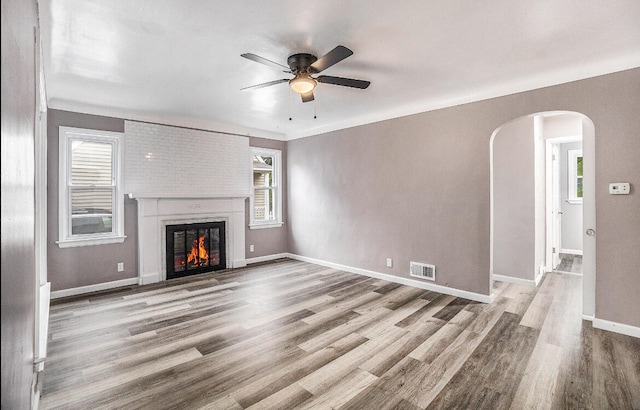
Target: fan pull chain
x=290 y=115
x=315 y=106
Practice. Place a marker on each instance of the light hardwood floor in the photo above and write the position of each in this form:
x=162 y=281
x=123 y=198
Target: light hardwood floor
x=289 y=335
x=570 y=263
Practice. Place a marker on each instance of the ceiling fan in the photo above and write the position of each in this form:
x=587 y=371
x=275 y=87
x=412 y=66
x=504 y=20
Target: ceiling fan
x=303 y=66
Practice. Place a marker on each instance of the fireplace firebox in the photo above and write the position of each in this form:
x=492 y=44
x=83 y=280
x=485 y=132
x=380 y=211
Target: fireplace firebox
x=195 y=248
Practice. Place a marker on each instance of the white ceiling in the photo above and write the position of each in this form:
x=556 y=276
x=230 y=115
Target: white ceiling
x=178 y=62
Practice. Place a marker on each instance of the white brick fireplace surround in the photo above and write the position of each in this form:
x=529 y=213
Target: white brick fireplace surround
x=180 y=176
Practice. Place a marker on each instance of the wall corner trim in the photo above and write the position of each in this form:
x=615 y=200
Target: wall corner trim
x=616 y=327
x=478 y=297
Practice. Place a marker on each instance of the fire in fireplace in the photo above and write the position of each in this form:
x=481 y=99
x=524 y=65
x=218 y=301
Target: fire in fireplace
x=195 y=248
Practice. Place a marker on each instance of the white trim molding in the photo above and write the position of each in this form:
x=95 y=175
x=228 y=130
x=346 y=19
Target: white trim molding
x=616 y=327
x=275 y=188
x=93 y=288
x=571 y=251
x=517 y=281
x=478 y=297
x=267 y=258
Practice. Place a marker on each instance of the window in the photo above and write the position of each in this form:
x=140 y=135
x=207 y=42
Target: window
x=575 y=161
x=266 y=198
x=91 y=205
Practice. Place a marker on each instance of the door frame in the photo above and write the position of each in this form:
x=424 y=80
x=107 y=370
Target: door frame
x=553 y=209
x=589 y=209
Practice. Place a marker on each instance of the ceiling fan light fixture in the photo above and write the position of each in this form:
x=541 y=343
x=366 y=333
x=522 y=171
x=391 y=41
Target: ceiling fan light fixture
x=303 y=83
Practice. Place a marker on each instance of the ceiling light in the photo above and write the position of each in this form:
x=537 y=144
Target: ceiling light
x=303 y=83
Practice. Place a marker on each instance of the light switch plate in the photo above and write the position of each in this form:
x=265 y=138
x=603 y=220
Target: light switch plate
x=619 y=188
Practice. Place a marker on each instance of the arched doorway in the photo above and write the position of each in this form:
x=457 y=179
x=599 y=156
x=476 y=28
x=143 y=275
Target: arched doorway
x=519 y=207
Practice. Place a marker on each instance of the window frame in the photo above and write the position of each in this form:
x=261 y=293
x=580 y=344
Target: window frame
x=572 y=174
x=66 y=238
x=276 y=188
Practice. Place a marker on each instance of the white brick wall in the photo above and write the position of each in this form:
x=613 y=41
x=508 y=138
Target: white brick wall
x=160 y=159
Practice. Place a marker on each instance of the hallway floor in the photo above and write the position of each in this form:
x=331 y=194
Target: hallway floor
x=569 y=263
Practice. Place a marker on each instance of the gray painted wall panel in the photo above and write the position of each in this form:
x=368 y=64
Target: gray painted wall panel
x=514 y=206
x=18 y=204
x=410 y=189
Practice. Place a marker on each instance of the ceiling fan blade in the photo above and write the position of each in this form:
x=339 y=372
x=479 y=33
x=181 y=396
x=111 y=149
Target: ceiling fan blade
x=253 y=87
x=307 y=97
x=346 y=82
x=266 y=62
x=332 y=57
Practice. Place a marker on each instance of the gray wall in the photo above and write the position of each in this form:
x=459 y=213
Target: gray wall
x=612 y=103
x=413 y=189
x=514 y=200
x=571 y=230
x=417 y=188
x=18 y=208
x=88 y=265
x=269 y=241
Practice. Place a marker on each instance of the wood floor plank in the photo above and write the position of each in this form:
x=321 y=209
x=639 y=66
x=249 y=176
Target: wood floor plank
x=433 y=307
x=290 y=397
x=442 y=339
x=538 y=386
x=615 y=387
x=319 y=381
x=341 y=331
x=417 y=333
x=467 y=386
x=575 y=379
x=96 y=381
x=275 y=381
x=338 y=394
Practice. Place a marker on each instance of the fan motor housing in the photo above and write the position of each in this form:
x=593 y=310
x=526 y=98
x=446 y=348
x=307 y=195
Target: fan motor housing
x=301 y=61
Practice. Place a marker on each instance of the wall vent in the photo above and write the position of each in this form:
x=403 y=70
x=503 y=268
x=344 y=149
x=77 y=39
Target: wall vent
x=423 y=271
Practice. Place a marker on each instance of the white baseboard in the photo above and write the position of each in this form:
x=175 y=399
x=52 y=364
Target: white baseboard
x=94 y=288
x=239 y=263
x=616 y=327
x=517 y=281
x=571 y=251
x=267 y=258
x=587 y=317
x=478 y=297
x=149 y=278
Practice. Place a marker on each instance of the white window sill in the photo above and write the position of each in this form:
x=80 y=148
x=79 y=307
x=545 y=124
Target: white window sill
x=575 y=201
x=266 y=225
x=74 y=243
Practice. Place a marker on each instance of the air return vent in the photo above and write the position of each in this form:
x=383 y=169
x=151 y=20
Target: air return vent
x=423 y=271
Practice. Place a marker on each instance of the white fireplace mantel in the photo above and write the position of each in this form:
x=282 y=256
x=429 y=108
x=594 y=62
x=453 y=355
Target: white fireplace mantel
x=156 y=211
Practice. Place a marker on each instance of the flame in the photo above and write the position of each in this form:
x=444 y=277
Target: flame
x=198 y=252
